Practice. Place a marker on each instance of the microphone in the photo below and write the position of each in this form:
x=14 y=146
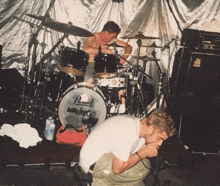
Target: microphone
x=78 y=45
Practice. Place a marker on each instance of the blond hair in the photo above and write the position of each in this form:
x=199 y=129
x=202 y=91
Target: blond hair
x=162 y=121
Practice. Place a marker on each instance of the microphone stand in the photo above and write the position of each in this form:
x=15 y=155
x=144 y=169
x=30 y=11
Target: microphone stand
x=167 y=45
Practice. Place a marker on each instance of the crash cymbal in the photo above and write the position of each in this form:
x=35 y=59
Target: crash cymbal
x=153 y=45
x=63 y=27
x=139 y=36
x=113 y=45
x=145 y=58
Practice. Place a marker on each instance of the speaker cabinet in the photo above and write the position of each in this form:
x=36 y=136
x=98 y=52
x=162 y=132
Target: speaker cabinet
x=195 y=85
x=11 y=85
x=203 y=68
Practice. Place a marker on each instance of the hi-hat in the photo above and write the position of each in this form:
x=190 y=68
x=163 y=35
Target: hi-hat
x=63 y=27
x=153 y=45
x=139 y=36
x=145 y=58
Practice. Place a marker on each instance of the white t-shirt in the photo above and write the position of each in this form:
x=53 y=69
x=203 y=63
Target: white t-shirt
x=118 y=134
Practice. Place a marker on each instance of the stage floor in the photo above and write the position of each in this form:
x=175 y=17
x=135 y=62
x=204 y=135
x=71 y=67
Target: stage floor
x=50 y=163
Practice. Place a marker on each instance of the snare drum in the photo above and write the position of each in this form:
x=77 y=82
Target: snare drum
x=115 y=82
x=83 y=104
x=74 y=61
x=105 y=65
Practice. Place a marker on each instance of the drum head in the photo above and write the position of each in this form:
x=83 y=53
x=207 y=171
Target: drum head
x=81 y=106
x=74 y=61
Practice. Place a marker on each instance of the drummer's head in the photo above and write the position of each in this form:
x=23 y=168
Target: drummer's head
x=112 y=29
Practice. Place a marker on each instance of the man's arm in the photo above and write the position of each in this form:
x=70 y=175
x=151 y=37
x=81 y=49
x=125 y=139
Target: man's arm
x=127 y=50
x=149 y=150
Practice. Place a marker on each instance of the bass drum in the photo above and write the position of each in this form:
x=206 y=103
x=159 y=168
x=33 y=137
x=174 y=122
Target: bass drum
x=83 y=104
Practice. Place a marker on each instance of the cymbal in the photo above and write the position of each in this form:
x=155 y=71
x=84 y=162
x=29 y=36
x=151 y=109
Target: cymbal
x=113 y=45
x=139 y=36
x=63 y=27
x=153 y=45
x=145 y=58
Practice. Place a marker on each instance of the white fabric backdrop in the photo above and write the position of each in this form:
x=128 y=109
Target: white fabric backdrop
x=152 y=17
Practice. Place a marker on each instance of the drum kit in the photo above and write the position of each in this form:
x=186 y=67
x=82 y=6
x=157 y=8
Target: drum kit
x=63 y=94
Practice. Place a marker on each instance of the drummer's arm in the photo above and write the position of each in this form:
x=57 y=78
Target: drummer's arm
x=89 y=49
x=127 y=50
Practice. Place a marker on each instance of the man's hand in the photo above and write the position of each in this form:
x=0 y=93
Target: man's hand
x=148 y=150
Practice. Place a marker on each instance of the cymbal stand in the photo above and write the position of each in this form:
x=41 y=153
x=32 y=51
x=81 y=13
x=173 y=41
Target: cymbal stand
x=32 y=73
x=142 y=75
x=33 y=42
x=136 y=87
x=39 y=77
x=26 y=72
x=160 y=84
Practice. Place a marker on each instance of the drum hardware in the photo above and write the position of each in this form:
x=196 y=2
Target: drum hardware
x=160 y=102
x=135 y=87
x=124 y=71
x=132 y=80
x=89 y=121
x=112 y=100
x=39 y=75
x=33 y=42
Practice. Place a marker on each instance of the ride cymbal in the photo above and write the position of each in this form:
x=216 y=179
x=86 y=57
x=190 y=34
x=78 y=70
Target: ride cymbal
x=139 y=36
x=63 y=27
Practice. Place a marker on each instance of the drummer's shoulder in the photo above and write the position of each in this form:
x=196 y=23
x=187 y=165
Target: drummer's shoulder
x=91 y=38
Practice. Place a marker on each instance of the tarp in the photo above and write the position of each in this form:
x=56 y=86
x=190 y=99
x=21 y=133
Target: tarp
x=159 y=18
